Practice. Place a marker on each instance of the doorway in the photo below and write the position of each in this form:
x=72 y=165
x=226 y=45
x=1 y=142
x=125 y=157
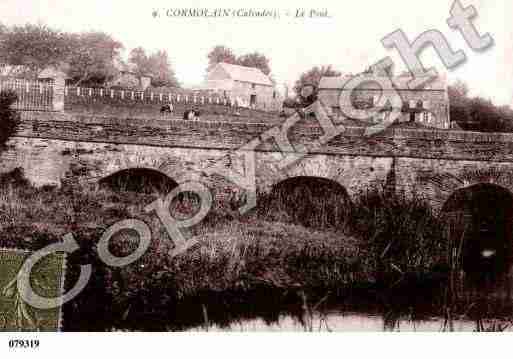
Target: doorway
x=252 y=101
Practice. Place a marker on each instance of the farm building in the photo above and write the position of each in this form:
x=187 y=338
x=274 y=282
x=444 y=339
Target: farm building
x=428 y=105
x=248 y=86
x=128 y=78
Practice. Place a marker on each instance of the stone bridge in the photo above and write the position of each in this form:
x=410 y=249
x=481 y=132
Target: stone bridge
x=54 y=147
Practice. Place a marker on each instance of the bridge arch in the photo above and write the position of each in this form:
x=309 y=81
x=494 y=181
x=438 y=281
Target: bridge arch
x=354 y=174
x=310 y=201
x=480 y=220
x=139 y=179
x=438 y=187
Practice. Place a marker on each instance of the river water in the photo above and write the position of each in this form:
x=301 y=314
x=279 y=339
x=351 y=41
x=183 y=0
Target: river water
x=355 y=322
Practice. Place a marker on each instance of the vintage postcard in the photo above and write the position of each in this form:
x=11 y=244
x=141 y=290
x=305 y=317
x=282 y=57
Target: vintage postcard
x=194 y=166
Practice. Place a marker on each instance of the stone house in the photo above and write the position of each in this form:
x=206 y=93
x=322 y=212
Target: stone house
x=428 y=106
x=248 y=86
x=54 y=73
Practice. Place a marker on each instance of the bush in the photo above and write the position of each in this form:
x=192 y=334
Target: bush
x=8 y=117
x=403 y=234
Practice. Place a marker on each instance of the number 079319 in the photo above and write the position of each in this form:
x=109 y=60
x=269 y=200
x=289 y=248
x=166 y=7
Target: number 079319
x=23 y=344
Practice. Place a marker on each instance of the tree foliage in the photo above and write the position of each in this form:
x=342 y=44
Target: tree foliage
x=222 y=53
x=92 y=58
x=314 y=75
x=477 y=113
x=157 y=65
x=33 y=46
x=257 y=60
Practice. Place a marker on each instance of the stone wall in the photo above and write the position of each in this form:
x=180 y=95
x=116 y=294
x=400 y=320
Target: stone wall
x=53 y=148
x=53 y=162
x=394 y=142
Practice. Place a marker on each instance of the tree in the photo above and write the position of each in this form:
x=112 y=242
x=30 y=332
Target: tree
x=8 y=117
x=459 y=89
x=459 y=104
x=477 y=113
x=218 y=54
x=139 y=59
x=34 y=47
x=314 y=75
x=162 y=71
x=3 y=30
x=156 y=65
x=257 y=60
x=92 y=58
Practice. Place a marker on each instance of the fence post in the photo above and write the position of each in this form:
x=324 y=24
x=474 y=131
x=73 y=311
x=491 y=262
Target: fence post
x=59 y=86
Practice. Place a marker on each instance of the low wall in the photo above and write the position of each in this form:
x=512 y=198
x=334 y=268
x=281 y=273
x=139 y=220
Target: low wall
x=394 y=142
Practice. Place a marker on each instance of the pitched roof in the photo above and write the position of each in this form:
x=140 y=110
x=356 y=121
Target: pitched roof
x=245 y=74
x=52 y=71
x=400 y=82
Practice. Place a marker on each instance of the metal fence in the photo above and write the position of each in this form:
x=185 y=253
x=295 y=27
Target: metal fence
x=32 y=95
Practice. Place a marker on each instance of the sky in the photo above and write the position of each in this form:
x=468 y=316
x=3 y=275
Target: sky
x=350 y=39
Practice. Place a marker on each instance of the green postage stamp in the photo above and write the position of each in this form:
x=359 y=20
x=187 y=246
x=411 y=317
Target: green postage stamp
x=47 y=280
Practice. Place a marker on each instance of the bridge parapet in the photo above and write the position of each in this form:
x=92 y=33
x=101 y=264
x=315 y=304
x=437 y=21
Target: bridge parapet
x=393 y=142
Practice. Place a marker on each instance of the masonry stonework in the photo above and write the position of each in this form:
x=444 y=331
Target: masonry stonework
x=54 y=148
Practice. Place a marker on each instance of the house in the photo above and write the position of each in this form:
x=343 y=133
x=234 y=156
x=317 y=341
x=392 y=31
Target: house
x=53 y=73
x=428 y=106
x=128 y=78
x=248 y=86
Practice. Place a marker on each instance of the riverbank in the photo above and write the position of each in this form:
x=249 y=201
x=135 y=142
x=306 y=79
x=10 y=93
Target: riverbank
x=388 y=256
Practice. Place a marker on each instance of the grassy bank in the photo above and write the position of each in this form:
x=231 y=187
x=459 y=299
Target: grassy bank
x=389 y=253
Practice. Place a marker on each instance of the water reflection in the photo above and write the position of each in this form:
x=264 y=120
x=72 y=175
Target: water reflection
x=356 y=322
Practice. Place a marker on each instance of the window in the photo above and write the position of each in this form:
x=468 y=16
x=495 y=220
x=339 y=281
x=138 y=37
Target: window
x=274 y=94
x=426 y=117
x=253 y=86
